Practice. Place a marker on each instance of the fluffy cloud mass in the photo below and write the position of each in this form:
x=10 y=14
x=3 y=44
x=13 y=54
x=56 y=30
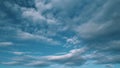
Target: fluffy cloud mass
x=45 y=33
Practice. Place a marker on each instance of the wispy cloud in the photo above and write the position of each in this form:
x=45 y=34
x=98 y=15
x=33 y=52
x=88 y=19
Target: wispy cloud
x=82 y=30
x=29 y=36
x=6 y=43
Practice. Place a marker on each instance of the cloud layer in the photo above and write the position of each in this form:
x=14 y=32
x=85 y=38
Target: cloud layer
x=33 y=31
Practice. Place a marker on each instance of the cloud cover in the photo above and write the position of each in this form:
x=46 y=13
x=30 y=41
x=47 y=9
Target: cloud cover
x=33 y=25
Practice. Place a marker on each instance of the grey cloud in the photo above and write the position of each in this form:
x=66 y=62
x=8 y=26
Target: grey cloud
x=96 y=24
x=103 y=25
x=105 y=53
x=101 y=33
x=23 y=3
x=108 y=60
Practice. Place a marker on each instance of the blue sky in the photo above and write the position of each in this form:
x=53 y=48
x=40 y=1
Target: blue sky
x=59 y=33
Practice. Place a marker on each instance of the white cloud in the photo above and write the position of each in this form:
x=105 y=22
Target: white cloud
x=18 y=53
x=6 y=43
x=10 y=63
x=74 y=40
x=41 y=6
x=36 y=15
x=72 y=58
x=32 y=14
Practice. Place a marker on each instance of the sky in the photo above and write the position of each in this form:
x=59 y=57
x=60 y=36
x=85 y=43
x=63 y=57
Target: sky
x=59 y=33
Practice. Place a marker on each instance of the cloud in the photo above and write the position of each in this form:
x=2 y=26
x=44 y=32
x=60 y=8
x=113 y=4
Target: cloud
x=10 y=63
x=6 y=43
x=28 y=36
x=32 y=14
x=109 y=66
x=18 y=53
x=108 y=60
x=79 y=23
x=73 y=58
x=38 y=64
x=73 y=41
x=101 y=33
x=102 y=25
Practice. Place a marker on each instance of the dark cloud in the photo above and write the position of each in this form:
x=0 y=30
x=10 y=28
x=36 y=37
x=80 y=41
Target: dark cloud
x=102 y=33
x=23 y=3
x=104 y=25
